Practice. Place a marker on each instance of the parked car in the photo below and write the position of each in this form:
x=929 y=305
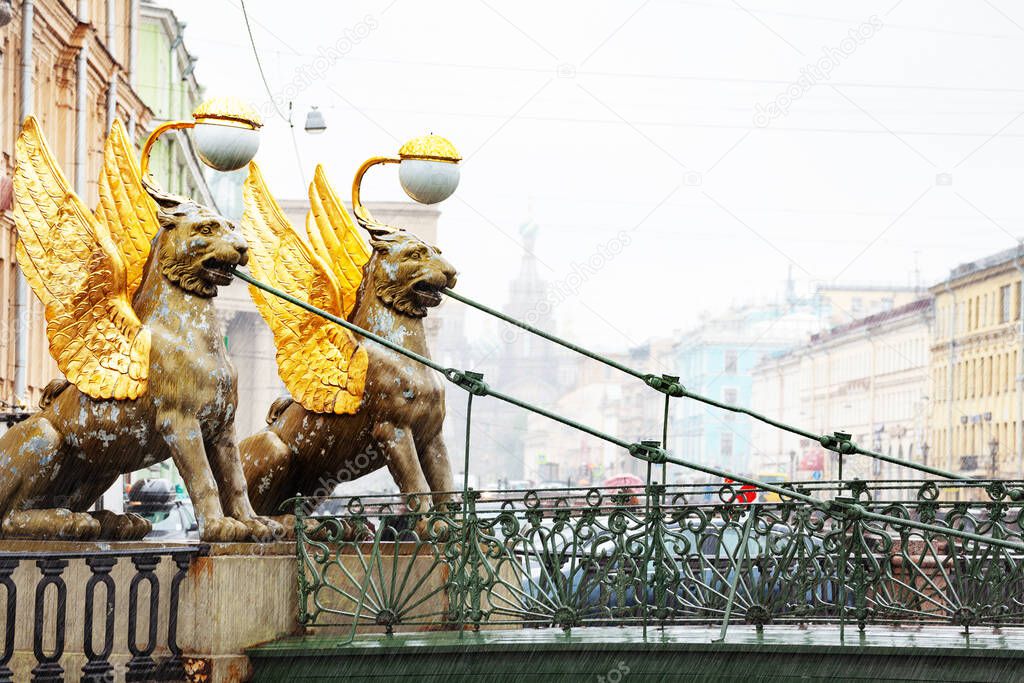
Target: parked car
x=584 y=573
x=174 y=522
x=173 y=519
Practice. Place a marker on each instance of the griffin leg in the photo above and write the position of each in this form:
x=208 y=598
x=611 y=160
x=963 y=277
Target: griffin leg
x=234 y=493
x=24 y=447
x=399 y=451
x=53 y=524
x=438 y=470
x=269 y=471
x=183 y=438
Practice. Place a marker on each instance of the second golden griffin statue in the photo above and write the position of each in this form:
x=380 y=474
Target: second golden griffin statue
x=354 y=406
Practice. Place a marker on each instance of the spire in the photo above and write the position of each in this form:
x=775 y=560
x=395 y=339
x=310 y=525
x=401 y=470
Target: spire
x=528 y=289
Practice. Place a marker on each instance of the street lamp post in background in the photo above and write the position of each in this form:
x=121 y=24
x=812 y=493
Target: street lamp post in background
x=993 y=442
x=993 y=449
x=315 y=123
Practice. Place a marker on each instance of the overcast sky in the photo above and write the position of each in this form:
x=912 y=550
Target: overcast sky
x=712 y=144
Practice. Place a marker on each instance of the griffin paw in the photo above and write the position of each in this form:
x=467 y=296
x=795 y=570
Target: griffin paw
x=263 y=529
x=53 y=524
x=225 y=530
x=126 y=527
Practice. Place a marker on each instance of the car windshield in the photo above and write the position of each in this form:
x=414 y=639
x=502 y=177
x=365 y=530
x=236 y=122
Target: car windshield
x=166 y=520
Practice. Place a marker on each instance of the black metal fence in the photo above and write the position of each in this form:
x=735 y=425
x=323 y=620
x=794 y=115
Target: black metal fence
x=49 y=613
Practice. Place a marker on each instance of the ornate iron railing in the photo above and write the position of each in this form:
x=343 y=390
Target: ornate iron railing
x=50 y=605
x=665 y=555
x=816 y=555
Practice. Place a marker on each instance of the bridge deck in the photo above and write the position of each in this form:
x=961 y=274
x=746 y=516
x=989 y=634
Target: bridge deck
x=674 y=654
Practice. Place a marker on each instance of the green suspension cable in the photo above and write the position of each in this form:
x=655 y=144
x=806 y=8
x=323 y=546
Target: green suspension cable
x=649 y=451
x=670 y=386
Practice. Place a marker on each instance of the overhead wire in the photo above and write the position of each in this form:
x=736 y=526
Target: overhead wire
x=270 y=93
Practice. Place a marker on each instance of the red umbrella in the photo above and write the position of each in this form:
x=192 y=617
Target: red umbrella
x=629 y=482
x=746 y=493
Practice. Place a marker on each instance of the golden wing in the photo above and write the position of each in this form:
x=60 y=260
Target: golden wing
x=125 y=208
x=335 y=238
x=321 y=364
x=75 y=268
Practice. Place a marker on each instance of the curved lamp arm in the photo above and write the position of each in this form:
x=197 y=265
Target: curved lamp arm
x=147 y=148
x=362 y=215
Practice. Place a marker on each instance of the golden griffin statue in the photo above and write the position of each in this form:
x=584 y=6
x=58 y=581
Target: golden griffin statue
x=128 y=294
x=355 y=406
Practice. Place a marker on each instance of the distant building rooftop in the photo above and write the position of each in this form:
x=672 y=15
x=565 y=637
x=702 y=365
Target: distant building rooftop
x=996 y=259
x=865 y=288
x=872 y=320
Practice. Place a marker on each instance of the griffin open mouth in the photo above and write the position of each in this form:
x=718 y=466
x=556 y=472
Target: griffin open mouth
x=429 y=294
x=217 y=271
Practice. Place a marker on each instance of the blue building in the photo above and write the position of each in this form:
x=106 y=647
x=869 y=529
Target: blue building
x=716 y=359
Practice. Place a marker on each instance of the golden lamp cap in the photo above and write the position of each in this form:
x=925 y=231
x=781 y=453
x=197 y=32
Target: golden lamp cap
x=432 y=147
x=228 y=110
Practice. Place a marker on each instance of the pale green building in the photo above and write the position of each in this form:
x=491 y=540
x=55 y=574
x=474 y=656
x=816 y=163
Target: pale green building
x=165 y=79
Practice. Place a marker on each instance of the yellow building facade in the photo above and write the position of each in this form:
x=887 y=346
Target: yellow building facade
x=868 y=378
x=70 y=65
x=976 y=357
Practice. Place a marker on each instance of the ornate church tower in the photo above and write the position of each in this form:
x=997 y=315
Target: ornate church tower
x=523 y=365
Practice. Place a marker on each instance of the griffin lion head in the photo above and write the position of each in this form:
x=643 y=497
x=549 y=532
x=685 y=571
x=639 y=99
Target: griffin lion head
x=407 y=273
x=198 y=248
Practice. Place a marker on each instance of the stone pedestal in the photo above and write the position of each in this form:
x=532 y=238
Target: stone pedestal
x=239 y=595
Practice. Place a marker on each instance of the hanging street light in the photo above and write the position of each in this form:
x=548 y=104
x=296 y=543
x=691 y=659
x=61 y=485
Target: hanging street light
x=427 y=168
x=315 y=123
x=225 y=131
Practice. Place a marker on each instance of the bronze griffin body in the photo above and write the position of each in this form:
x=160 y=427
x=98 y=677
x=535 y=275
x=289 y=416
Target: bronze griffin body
x=148 y=373
x=355 y=406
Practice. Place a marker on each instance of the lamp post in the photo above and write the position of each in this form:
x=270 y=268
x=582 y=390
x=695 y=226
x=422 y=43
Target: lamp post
x=428 y=170
x=993 y=449
x=225 y=131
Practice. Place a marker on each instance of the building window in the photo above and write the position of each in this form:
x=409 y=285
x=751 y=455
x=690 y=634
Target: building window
x=729 y=396
x=726 y=445
x=1005 y=302
x=730 y=362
